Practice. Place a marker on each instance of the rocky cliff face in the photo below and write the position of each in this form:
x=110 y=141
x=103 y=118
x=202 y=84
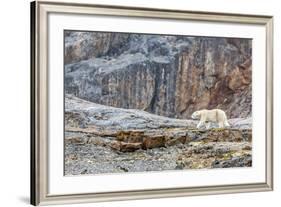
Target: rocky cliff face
x=165 y=75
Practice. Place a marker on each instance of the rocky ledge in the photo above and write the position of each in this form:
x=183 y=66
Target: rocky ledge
x=103 y=139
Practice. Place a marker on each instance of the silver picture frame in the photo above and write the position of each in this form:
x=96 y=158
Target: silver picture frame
x=39 y=100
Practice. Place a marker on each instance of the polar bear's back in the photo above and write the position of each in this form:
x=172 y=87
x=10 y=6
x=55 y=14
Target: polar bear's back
x=214 y=115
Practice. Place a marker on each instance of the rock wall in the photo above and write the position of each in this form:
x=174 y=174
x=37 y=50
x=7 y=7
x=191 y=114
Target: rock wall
x=165 y=75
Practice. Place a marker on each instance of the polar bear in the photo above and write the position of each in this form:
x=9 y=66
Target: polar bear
x=214 y=115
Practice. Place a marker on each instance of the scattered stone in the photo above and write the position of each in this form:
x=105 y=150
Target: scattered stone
x=245 y=161
x=247 y=147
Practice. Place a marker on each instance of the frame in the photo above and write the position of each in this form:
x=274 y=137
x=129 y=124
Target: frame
x=39 y=101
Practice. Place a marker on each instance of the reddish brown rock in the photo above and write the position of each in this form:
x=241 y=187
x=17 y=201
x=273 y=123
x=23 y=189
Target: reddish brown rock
x=175 y=141
x=153 y=142
x=130 y=136
x=125 y=146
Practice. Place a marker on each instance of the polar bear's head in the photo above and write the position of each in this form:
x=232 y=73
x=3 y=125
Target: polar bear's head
x=195 y=115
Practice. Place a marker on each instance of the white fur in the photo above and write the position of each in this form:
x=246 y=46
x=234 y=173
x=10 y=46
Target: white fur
x=214 y=115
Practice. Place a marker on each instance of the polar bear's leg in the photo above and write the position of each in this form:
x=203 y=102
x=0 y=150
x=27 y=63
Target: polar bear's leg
x=226 y=124
x=199 y=124
x=221 y=125
x=202 y=121
x=208 y=125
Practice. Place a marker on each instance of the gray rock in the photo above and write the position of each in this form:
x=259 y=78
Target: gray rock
x=244 y=161
x=80 y=112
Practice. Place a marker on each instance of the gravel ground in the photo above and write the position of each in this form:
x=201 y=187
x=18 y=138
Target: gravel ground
x=95 y=159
